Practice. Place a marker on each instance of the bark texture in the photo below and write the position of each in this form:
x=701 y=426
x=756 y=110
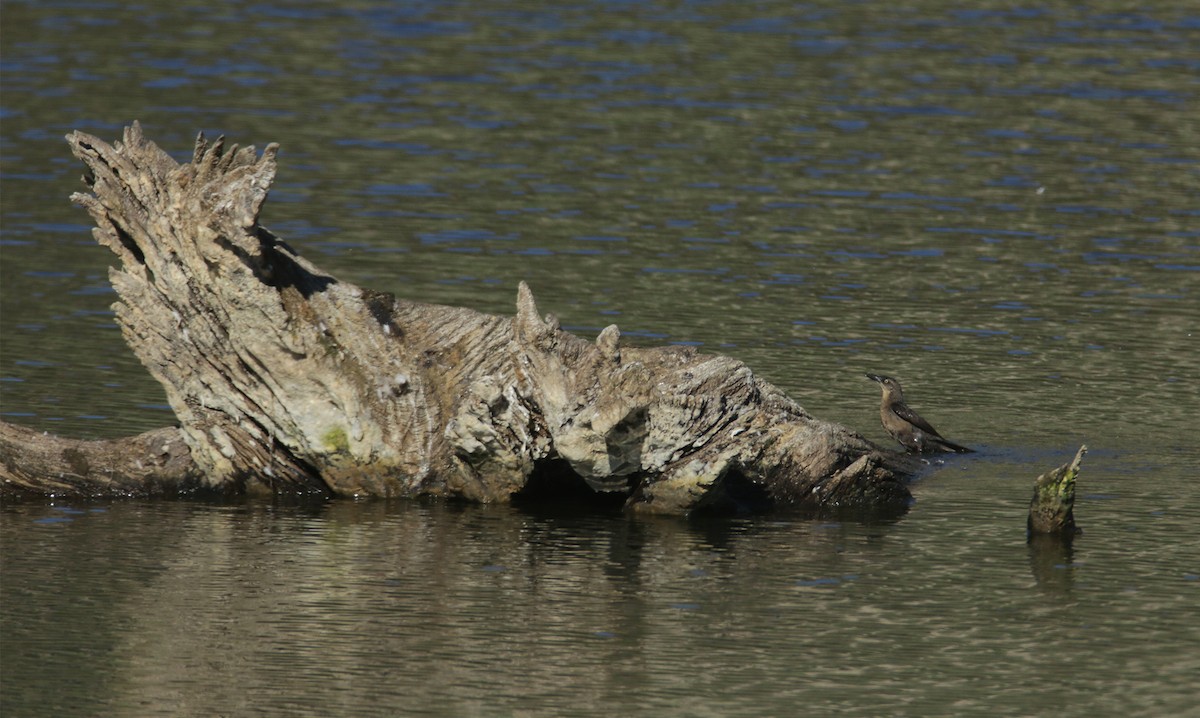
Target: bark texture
x=286 y=379
x=154 y=463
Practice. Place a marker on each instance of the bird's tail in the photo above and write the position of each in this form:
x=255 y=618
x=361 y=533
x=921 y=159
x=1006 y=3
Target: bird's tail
x=956 y=448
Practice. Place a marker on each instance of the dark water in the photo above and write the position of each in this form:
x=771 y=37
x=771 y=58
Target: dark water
x=398 y=609
x=999 y=205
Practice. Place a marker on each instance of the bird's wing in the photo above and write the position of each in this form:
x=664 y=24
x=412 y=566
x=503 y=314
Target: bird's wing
x=914 y=418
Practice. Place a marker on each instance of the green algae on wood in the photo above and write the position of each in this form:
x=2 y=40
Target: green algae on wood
x=335 y=440
x=1052 y=509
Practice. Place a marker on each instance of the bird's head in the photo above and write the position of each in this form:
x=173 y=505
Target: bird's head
x=891 y=387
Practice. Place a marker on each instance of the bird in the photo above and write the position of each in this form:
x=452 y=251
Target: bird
x=907 y=426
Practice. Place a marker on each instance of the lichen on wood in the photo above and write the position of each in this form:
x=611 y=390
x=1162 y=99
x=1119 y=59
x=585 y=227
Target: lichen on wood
x=285 y=379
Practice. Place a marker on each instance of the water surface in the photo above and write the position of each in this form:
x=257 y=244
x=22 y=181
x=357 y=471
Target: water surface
x=996 y=204
x=429 y=609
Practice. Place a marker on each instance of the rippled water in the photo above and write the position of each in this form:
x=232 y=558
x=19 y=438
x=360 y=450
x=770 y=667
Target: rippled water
x=996 y=204
x=390 y=609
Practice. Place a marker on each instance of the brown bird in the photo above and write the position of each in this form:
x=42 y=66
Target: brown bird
x=906 y=425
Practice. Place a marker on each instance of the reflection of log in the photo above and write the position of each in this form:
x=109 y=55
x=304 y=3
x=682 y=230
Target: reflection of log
x=1052 y=562
x=285 y=379
x=1052 y=509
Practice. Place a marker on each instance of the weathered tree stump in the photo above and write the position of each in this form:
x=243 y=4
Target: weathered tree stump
x=285 y=379
x=1051 y=529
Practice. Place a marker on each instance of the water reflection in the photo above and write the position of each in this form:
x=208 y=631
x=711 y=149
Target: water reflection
x=1052 y=558
x=449 y=609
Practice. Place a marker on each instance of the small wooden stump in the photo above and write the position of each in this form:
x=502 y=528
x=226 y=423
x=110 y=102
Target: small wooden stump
x=1052 y=509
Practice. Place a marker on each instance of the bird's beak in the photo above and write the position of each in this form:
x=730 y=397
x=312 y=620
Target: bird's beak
x=874 y=377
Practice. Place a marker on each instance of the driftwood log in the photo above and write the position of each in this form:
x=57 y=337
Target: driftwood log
x=284 y=379
x=153 y=463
